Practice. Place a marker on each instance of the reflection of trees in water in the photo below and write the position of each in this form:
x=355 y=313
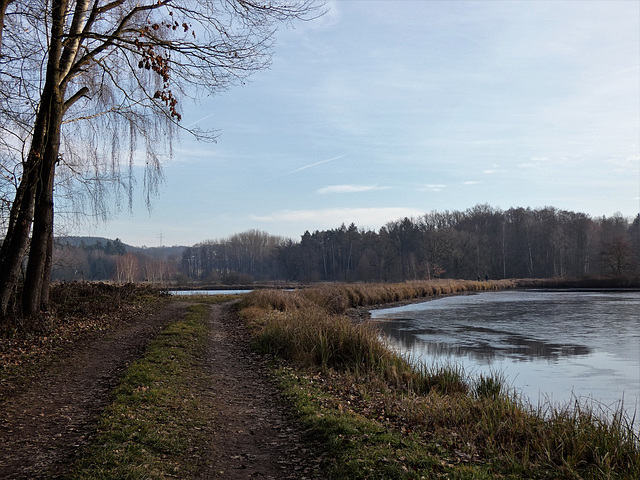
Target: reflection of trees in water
x=488 y=345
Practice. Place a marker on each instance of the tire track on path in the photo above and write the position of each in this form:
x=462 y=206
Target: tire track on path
x=253 y=436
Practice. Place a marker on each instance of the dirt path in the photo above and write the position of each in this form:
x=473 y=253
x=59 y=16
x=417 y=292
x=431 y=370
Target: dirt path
x=43 y=424
x=253 y=436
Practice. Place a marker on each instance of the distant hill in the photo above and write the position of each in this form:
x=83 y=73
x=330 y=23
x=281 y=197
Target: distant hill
x=164 y=252
x=79 y=241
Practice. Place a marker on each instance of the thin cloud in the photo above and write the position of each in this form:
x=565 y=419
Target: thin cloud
x=349 y=189
x=628 y=163
x=534 y=162
x=433 y=187
x=333 y=217
x=494 y=169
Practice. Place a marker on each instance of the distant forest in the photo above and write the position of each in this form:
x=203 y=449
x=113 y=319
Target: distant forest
x=481 y=242
x=91 y=258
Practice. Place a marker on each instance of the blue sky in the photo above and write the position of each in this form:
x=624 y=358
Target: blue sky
x=385 y=109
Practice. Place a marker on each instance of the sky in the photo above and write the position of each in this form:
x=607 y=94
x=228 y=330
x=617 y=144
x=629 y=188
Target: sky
x=381 y=110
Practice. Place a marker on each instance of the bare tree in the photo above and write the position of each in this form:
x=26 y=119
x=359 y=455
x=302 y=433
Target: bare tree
x=127 y=267
x=92 y=80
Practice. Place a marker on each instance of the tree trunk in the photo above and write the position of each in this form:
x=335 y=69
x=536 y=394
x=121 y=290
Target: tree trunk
x=16 y=241
x=35 y=295
x=36 y=187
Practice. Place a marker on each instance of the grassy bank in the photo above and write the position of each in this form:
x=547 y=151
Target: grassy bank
x=157 y=421
x=379 y=417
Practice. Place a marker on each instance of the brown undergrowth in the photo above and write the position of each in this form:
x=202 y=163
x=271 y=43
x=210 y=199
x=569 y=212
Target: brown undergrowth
x=78 y=309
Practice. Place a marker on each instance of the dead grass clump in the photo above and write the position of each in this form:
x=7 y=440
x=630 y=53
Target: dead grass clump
x=311 y=337
x=332 y=298
x=272 y=299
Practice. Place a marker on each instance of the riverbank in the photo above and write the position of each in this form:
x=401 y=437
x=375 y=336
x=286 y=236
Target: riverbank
x=378 y=417
x=343 y=398
x=593 y=283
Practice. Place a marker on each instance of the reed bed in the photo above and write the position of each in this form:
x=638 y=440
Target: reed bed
x=338 y=298
x=475 y=420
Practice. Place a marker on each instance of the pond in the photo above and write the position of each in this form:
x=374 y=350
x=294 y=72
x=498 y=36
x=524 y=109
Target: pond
x=550 y=346
x=208 y=292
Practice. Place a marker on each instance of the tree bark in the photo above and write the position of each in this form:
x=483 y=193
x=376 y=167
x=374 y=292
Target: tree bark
x=35 y=295
x=16 y=240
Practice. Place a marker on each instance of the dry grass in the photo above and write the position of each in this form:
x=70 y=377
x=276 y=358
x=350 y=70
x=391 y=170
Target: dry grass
x=473 y=420
x=338 y=298
x=294 y=327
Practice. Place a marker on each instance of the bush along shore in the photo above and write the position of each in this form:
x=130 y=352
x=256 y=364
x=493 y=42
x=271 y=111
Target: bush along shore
x=380 y=417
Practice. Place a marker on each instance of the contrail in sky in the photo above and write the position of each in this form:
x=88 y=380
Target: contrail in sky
x=309 y=166
x=201 y=119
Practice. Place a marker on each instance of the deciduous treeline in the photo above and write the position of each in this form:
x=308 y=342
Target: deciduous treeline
x=112 y=261
x=242 y=258
x=479 y=242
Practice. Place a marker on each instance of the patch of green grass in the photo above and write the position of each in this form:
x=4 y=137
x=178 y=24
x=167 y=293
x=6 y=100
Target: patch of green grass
x=489 y=386
x=157 y=417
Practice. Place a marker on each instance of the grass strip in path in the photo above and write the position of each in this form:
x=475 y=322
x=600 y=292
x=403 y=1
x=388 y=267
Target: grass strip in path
x=156 y=424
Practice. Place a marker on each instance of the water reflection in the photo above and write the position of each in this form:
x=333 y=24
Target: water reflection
x=480 y=343
x=207 y=292
x=556 y=345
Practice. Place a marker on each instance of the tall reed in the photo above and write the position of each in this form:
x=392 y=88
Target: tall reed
x=298 y=329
